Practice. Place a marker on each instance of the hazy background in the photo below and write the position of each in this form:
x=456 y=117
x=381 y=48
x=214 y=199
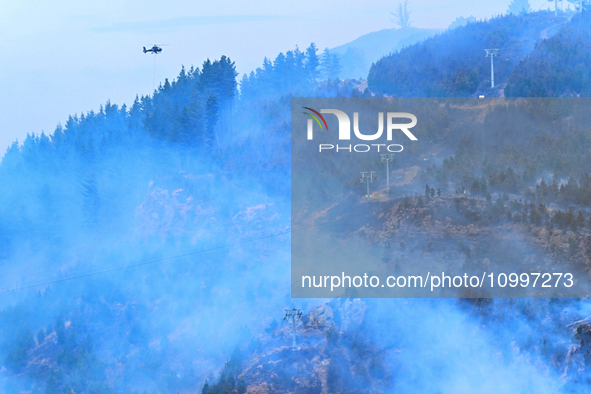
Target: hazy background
x=67 y=56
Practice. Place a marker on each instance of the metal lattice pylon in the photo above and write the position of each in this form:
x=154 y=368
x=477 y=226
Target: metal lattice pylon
x=368 y=178
x=387 y=158
x=293 y=314
x=492 y=53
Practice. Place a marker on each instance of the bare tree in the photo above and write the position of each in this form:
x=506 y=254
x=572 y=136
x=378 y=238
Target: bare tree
x=402 y=15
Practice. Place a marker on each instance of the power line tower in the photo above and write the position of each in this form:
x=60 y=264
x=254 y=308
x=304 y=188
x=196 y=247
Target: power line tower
x=492 y=53
x=368 y=179
x=555 y=6
x=293 y=314
x=387 y=158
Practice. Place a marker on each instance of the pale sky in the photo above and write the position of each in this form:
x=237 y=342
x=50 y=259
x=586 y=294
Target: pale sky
x=68 y=56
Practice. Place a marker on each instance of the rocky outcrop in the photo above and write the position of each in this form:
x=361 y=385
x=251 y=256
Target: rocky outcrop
x=320 y=358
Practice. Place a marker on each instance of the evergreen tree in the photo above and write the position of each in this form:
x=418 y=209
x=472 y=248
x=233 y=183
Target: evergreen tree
x=92 y=202
x=535 y=216
x=570 y=219
x=388 y=255
x=211 y=118
x=330 y=65
x=580 y=220
x=219 y=78
x=573 y=246
x=40 y=336
x=461 y=21
x=189 y=124
x=241 y=386
x=406 y=202
x=335 y=66
x=312 y=63
x=60 y=327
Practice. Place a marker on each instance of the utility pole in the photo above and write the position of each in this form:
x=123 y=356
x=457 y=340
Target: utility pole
x=368 y=179
x=387 y=158
x=293 y=314
x=556 y=6
x=492 y=53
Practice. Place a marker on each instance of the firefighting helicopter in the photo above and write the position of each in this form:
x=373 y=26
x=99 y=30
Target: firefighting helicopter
x=155 y=50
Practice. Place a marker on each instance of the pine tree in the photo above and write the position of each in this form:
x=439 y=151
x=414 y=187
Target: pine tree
x=330 y=65
x=241 y=386
x=388 y=254
x=59 y=328
x=570 y=219
x=406 y=202
x=219 y=78
x=91 y=200
x=580 y=220
x=335 y=66
x=312 y=63
x=189 y=123
x=40 y=336
x=205 y=388
x=211 y=118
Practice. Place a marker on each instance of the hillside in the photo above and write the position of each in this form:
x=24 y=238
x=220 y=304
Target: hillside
x=364 y=346
x=557 y=66
x=141 y=245
x=453 y=63
x=357 y=345
x=122 y=233
x=357 y=56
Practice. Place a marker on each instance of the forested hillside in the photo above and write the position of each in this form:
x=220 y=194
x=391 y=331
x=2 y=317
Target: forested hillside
x=517 y=144
x=121 y=233
x=558 y=66
x=129 y=234
x=454 y=64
